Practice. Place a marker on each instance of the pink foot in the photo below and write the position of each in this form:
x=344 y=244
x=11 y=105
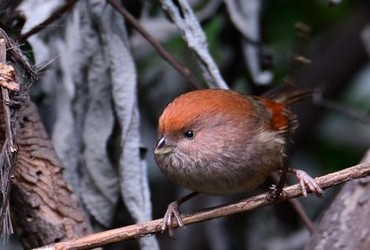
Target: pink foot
x=171 y=213
x=307 y=182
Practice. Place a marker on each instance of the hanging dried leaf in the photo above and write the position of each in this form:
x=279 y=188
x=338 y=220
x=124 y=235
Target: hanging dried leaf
x=132 y=169
x=188 y=24
x=245 y=15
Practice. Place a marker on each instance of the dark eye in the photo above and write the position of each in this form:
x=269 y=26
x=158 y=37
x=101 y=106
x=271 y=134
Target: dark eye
x=189 y=134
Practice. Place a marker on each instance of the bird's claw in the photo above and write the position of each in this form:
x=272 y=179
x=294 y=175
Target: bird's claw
x=307 y=182
x=274 y=193
x=171 y=213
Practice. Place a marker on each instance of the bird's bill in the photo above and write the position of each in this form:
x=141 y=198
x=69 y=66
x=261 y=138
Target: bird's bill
x=162 y=148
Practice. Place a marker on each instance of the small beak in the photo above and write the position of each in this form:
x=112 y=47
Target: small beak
x=162 y=148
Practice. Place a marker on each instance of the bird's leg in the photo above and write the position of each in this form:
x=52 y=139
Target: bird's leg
x=276 y=191
x=173 y=212
x=307 y=182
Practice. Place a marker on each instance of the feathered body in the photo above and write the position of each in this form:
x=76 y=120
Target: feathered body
x=218 y=141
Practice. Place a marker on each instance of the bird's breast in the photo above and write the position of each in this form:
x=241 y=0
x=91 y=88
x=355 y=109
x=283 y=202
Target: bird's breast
x=225 y=171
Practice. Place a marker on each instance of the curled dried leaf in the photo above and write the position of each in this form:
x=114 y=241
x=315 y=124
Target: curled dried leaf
x=8 y=77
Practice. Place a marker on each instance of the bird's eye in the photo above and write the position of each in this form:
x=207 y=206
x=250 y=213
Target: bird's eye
x=189 y=134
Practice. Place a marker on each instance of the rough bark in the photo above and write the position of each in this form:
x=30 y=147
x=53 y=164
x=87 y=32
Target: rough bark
x=44 y=208
x=346 y=224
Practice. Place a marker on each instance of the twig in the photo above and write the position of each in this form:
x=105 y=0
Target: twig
x=8 y=128
x=340 y=108
x=58 y=13
x=15 y=56
x=7 y=152
x=182 y=69
x=303 y=215
x=297 y=206
x=151 y=227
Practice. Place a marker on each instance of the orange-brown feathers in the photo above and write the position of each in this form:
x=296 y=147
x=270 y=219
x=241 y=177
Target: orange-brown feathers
x=278 y=102
x=189 y=107
x=280 y=115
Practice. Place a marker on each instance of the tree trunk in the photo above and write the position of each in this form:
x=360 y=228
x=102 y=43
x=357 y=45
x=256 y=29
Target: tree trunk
x=346 y=224
x=44 y=208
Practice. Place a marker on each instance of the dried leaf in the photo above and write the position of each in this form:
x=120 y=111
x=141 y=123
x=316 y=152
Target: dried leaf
x=133 y=171
x=8 y=77
x=186 y=21
x=245 y=15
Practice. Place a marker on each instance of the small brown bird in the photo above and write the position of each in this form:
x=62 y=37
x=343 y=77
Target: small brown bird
x=220 y=142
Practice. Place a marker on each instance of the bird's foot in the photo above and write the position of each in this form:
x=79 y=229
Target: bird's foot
x=171 y=214
x=307 y=182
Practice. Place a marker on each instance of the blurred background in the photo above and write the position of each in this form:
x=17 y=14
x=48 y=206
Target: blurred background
x=256 y=45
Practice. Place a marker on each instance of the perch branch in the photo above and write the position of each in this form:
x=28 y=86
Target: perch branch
x=147 y=228
x=182 y=69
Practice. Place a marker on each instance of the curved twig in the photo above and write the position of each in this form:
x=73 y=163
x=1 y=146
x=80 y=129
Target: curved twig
x=182 y=69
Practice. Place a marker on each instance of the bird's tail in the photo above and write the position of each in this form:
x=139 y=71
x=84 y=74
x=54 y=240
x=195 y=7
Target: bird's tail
x=289 y=94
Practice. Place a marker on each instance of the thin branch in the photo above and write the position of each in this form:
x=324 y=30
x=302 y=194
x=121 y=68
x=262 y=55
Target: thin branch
x=8 y=151
x=340 y=108
x=147 y=228
x=298 y=208
x=6 y=228
x=182 y=69
x=58 y=13
x=15 y=56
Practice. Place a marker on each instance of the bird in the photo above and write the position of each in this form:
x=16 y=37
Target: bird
x=220 y=141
